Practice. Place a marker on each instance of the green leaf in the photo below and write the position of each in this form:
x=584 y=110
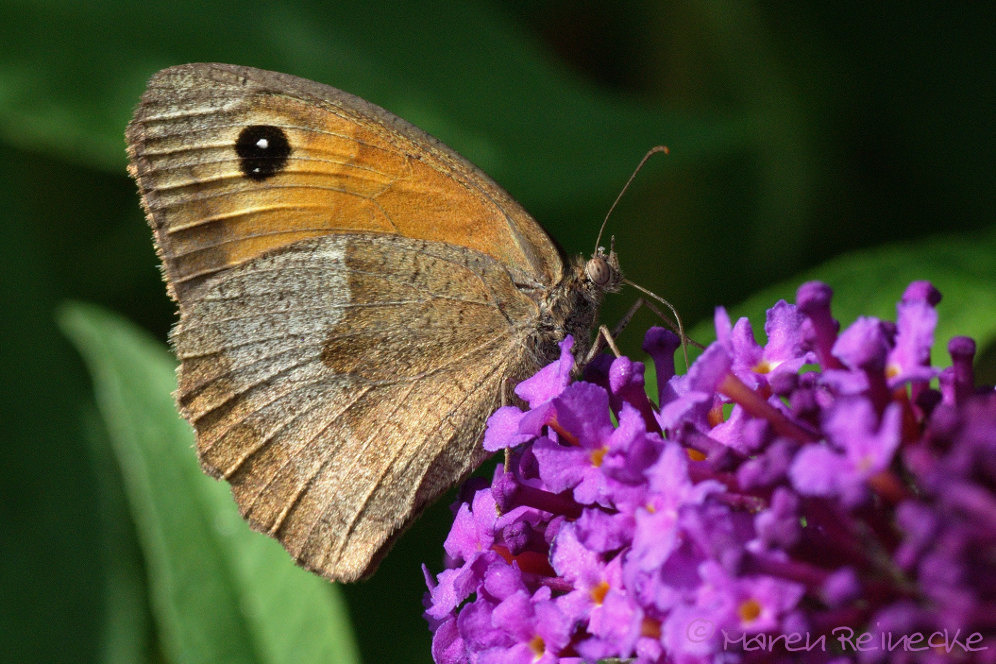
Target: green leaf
x=126 y=629
x=219 y=592
x=870 y=283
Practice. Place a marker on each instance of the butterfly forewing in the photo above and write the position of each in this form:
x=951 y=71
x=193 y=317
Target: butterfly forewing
x=349 y=166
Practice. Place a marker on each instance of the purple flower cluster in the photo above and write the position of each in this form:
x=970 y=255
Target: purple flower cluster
x=814 y=499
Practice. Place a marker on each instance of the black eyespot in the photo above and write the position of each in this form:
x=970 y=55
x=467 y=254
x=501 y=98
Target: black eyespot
x=263 y=151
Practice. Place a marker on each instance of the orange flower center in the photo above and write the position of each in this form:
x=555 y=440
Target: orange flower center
x=749 y=611
x=599 y=591
x=537 y=646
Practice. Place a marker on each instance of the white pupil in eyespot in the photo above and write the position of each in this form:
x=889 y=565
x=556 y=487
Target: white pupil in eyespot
x=262 y=144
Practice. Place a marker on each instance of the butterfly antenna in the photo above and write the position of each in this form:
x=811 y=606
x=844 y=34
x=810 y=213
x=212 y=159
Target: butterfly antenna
x=681 y=328
x=652 y=151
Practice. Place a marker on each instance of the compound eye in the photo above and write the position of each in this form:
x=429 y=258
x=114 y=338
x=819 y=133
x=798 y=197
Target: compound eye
x=598 y=271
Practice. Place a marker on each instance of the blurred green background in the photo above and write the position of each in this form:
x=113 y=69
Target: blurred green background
x=798 y=132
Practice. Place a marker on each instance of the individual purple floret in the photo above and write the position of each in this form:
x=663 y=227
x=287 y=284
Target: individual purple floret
x=825 y=496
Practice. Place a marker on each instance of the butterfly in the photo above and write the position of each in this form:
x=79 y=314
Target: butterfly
x=355 y=298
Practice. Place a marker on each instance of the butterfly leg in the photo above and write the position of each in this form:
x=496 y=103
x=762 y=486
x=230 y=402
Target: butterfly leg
x=607 y=338
x=505 y=401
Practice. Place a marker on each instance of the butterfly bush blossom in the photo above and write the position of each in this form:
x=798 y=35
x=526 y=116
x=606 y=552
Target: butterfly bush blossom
x=814 y=499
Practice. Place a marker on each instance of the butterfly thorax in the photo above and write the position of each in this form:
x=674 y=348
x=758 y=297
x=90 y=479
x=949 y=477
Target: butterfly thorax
x=571 y=308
